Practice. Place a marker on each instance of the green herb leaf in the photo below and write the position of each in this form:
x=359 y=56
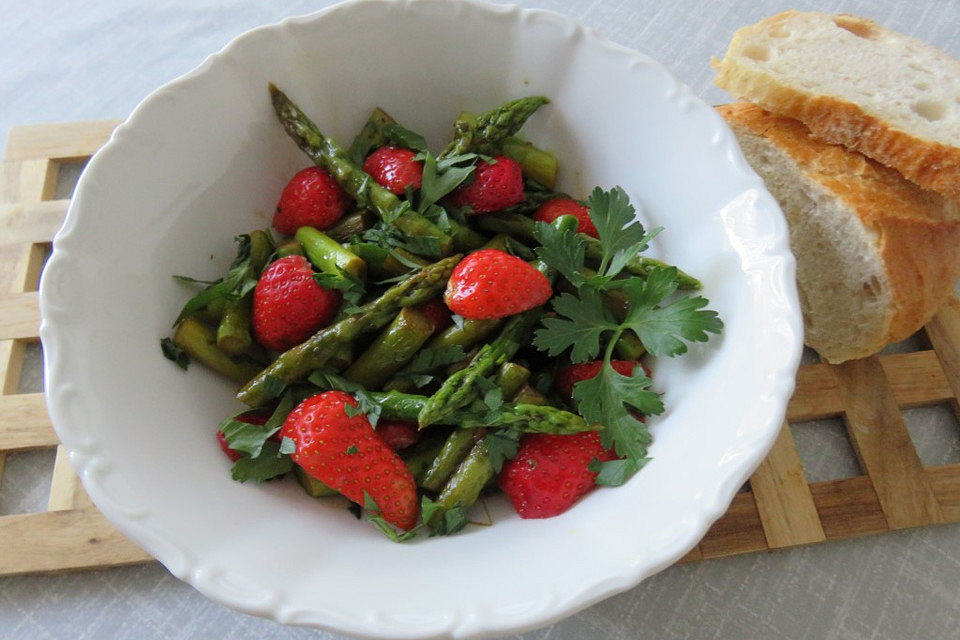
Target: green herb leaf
x=621 y=235
x=250 y=438
x=352 y=287
x=239 y=281
x=326 y=379
x=427 y=508
x=269 y=464
x=661 y=328
x=440 y=178
x=174 y=353
x=287 y=446
x=562 y=250
x=613 y=473
x=516 y=248
x=429 y=360
x=403 y=137
x=453 y=520
x=352 y=450
x=272 y=387
x=584 y=321
x=501 y=445
x=387 y=529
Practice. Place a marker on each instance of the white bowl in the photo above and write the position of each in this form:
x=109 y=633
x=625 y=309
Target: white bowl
x=203 y=159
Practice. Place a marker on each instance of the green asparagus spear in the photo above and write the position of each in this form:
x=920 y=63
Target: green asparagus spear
x=233 y=333
x=419 y=456
x=530 y=396
x=461 y=388
x=317 y=350
x=454 y=450
x=391 y=349
x=326 y=153
x=465 y=335
x=510 y=378
x=536 y=163
x=213 y=312
x=328 y=255
x=370 y=137
x=200 y=341
x=290 y=248
x=314 y=488
x=350 y=225
x=491 y=127
x=384 y=263
x=464 y=487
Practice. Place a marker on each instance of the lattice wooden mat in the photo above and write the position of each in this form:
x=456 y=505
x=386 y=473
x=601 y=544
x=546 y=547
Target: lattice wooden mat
x=780 y=510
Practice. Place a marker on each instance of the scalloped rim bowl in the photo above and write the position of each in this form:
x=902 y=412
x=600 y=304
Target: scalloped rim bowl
x=202 y=159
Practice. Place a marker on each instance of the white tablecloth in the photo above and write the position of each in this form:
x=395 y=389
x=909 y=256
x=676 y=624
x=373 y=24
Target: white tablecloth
x=64 y=61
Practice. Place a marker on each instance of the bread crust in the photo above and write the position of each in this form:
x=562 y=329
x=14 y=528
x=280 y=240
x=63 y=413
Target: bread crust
x=917 y=231
x=928 y=163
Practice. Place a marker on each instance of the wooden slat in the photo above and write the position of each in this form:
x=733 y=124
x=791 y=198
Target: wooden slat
x=944 y=333
x=65 y=141
x=945 y=480
x=783 y=498
x=816 y=395
x=24 y=423
x=37 y=180
x=19 y=316
x=883 y=445
x=37 y=222
x=848 y=508
x=917 y=379
x=66 y=492
x=737 y=531
x=62 y=540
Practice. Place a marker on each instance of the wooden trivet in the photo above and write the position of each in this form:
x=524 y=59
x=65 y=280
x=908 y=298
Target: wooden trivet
x=780 y=510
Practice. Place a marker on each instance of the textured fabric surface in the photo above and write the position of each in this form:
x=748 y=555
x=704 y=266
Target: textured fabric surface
x=86 y=60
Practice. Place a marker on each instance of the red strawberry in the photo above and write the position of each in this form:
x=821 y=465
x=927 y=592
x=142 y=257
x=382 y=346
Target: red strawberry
x=574 y=373
x=250 y=418
x=398 y=434
x=495 y=186
x=438 y=313
x=311 y=199
x=288 y=304
x=395 y=169
x=553 y=209
x=549 y=472
x=345 y=453
x=494 y=284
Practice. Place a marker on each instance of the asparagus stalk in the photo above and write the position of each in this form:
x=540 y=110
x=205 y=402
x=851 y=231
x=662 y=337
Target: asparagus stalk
x=419 y=457
x=464 y=487
x=465 y=335
x=200 y=341
x=370 y=137
x=350 y=225
x=315 y=488
x=521 y=226
x=326 y=153
x=455 y=449
x=536 y=164
x=319 y=348
x=461 y=388
x=490 y=128
x=328 y=255
x=391 y=349
x=529 y=396
x=510 y=378
x=382 y=263
x=290 y=248
x=233 y=332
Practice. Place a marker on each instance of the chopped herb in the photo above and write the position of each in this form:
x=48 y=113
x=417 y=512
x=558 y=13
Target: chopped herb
x=352 y=450
x=174 y=353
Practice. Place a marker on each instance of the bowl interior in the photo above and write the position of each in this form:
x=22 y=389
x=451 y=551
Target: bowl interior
x=203 y=160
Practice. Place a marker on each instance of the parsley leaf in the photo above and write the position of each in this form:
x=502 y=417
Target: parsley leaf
x=349 y=285
x=613 y=473
x=403 y=137
x=366 y=405
x=584 y=321
x=174 y=353
x=661 y=328
x=562 y=250
x=388 y=236
x=454 y=519
x=442 y=177
x=428 y=360
x=251 y=438
x=621 y=235
x=501 y=445
x=380 y=523
x=240 y=280
x=269 y=464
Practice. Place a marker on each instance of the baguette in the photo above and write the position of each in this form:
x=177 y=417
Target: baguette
x=855 y=83
x=876 y=254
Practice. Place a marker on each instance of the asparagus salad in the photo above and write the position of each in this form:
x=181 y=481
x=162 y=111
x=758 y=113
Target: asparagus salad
x=425 y=329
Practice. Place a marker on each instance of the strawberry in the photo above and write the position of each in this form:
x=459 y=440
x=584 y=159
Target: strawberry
x=249 y=418
x=494 y=284
x=288 y=304
x=398 y=434
x=553 y=209
x=495 y=186
x=438 y=314
x=311 y=199
x=345 y=453
x=549 y=472
x=574 y=373
x=395 y=169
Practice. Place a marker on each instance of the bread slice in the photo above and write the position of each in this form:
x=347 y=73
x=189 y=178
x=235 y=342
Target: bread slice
x=855 y=83
x=876 y=254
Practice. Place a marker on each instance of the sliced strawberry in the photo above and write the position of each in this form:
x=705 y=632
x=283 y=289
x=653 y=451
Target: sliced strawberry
x=312 y=198
x=398 y=434
x=553 y=209
x=495 y=186
x=395 y=169
x=289 y=305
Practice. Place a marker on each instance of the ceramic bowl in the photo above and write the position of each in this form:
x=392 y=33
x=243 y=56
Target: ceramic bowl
x=203 y=159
